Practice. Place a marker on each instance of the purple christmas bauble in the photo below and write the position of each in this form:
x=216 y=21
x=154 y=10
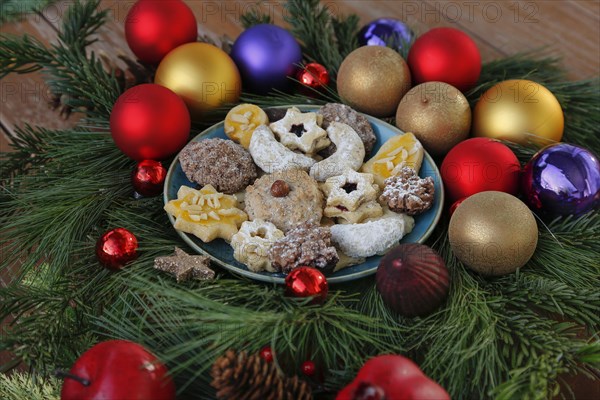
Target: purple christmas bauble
x=562 y=179
x=384 y=31
x=266 y=56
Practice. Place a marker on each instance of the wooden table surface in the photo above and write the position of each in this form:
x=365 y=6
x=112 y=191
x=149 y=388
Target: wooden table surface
x=570 y=29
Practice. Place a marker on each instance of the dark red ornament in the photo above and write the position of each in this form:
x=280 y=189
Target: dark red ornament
x=455 y=205
x=314 y=75
x=308 y=368
x=478 y=165
x=117 y=369
x=155 y=27
x=266 y=354
x=412 y=279
x=445 y=55
x=305 y=282
x=148 y=178
x=150 y=122
x=116 y=248
x=392 y=377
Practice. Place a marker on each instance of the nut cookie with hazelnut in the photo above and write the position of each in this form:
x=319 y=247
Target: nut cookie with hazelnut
x=285 y=198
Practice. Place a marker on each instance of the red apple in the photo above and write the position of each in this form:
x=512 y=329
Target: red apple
x=117 y=370
x=392 y=377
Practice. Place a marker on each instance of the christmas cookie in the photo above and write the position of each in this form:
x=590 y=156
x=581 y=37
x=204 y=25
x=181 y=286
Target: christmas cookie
x=221 y=163
x=242 y=120
x=271 y=156
x=335 y=112
x=372 y=237
x=285 y=198
x=351 y=196
x=349 y=154
x=206 y=213
x=252 y=243
x=407 y=193
x=397 y=152
x=306 y=245
x=301 y=131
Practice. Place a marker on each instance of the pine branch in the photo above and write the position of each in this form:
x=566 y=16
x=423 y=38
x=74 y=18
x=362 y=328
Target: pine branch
x=90 y=89
x=18 y=386
x=325 y=39
x=196 y=326
x=255 y=17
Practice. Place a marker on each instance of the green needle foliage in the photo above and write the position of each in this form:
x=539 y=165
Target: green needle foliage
x=21 y=387
x=508 y=337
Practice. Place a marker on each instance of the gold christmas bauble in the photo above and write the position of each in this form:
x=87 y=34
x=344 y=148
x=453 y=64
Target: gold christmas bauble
x=437 y=113
x=373 y=80
x=520 y=111
x=493 y=233
x=203 y=75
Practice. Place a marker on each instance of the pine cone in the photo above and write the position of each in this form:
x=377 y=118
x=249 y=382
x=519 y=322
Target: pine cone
x=237 y=376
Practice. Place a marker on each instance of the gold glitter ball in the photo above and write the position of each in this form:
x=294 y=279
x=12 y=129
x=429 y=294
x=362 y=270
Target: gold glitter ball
x=373 y=79
x=493 y=233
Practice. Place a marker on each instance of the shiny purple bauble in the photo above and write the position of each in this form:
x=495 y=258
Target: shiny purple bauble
x=384 y=31
x=266 y=56
x=562 y=179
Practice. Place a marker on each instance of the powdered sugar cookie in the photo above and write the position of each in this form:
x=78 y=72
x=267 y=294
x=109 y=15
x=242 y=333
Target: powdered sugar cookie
x=349 y=154
x=372 y=237
x=301 y=131
x=305 y=245
x=351 y=196
x=407 y=193
x=252 y=243
x=271 y=156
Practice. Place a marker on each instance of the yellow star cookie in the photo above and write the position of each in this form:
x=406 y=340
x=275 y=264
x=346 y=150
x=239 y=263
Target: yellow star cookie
x=206 y=213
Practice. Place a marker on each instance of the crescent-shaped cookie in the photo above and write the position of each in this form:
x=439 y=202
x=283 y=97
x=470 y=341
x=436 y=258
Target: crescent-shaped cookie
x=349 y=154
x=271 y=156
x=373 y=237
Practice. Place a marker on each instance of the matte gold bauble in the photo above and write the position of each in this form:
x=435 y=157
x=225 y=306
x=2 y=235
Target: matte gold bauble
x=437 y=113
x=493 y=233
x=521 y=111
x=373 y=80
x=204 y=76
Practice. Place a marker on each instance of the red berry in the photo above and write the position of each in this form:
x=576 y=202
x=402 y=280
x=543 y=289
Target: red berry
x=308 y=368
x=266 y=354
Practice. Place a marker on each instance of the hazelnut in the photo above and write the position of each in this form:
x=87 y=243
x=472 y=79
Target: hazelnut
x=280 y=188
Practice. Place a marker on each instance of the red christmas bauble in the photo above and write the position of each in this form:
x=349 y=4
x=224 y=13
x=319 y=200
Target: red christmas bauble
x=305 y=282
x=266 y=354
x=392 y=377
x=455 y=205
x=478 y=165
x=155 y=27
x=308 y=368
x=116 y=248
x=314 y=75
x=150 y=122
x=117 y=369
x=148 y=178
x=445 y=55
x=412 y=279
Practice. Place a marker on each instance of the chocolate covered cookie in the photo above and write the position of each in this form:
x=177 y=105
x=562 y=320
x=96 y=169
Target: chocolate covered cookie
x=225 y=165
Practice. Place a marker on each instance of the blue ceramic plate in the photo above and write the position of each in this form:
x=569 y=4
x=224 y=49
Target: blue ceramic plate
x=222 y=254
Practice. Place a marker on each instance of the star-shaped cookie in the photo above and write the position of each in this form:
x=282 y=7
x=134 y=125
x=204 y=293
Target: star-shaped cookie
x=301 y=131
x=184 y=266
x=206 y=213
